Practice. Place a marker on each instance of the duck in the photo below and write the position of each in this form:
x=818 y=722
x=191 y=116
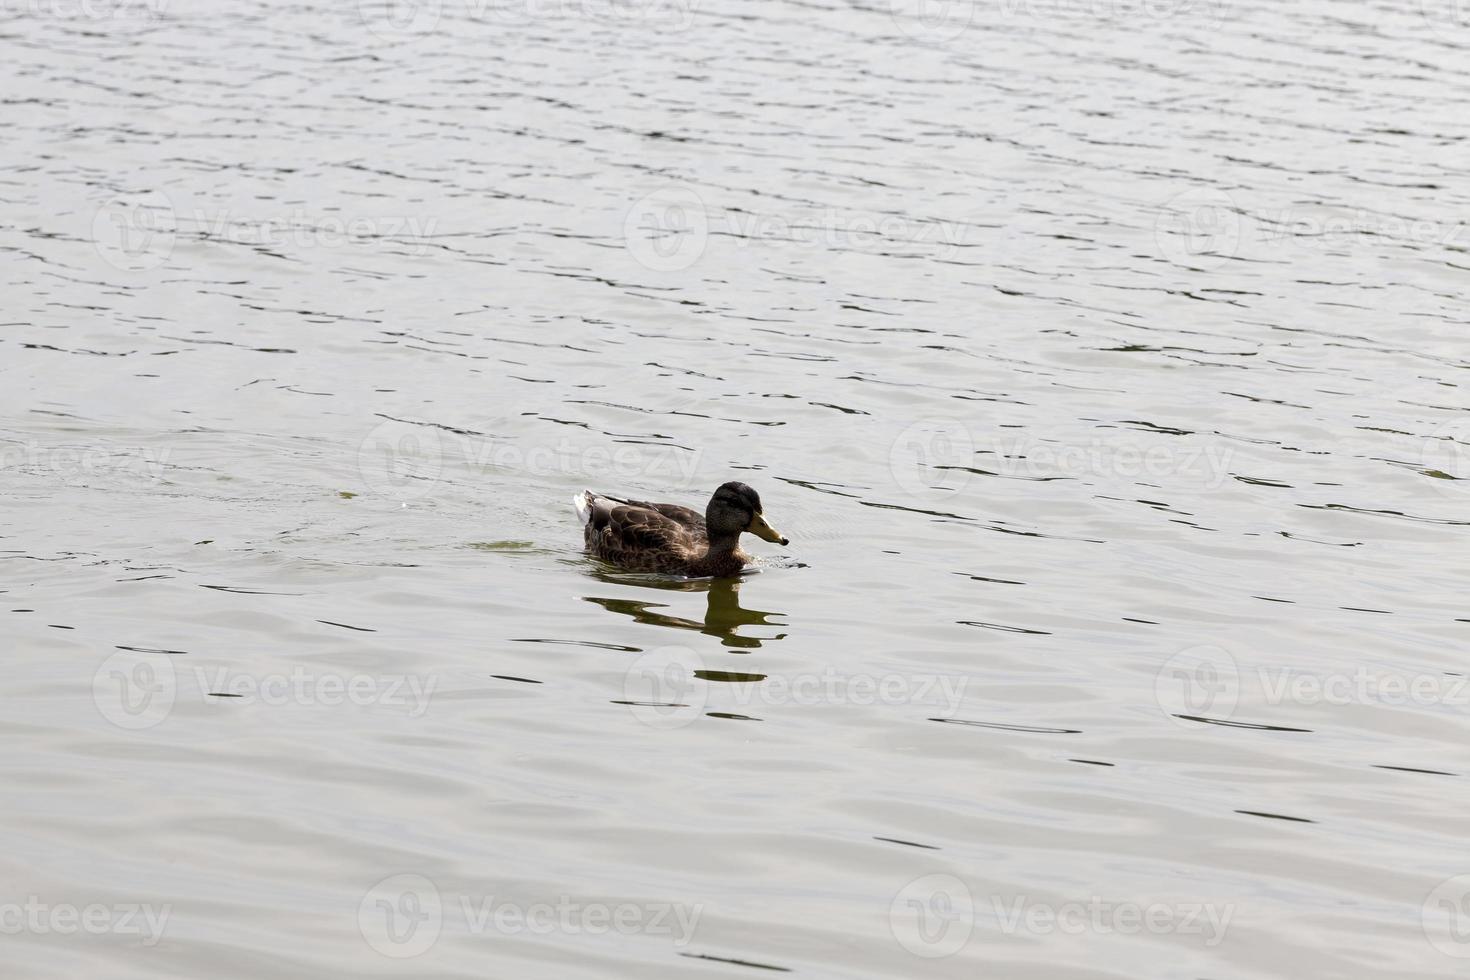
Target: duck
x=649 y=537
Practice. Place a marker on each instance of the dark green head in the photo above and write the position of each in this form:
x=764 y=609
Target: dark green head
x=735 y=508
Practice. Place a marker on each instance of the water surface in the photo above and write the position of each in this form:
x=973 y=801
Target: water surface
x=1102 y=363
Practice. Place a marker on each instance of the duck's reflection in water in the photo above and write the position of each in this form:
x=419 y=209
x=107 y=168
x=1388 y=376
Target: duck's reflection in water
x=723 y=614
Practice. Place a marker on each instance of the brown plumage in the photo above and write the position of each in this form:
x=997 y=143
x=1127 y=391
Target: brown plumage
x=651 y=537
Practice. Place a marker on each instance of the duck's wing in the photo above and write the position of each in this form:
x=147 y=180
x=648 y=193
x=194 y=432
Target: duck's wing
x=616 y=525
x=636 y=536
x=684 y=516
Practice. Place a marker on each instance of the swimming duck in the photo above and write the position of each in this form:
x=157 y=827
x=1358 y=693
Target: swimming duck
x=649 y=537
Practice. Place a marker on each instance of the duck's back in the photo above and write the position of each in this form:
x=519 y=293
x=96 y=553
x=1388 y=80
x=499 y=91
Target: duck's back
x=685 y=517
x=641 y=535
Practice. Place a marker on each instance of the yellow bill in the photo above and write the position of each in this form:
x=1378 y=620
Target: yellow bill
x=763 y=530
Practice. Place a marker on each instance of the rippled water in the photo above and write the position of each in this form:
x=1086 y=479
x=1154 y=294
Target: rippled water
x=1101 y=361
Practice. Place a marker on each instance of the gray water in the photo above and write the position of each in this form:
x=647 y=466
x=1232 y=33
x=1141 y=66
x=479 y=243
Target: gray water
x=1100 y=360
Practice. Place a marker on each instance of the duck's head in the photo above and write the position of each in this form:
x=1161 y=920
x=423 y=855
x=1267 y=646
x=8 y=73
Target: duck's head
x=736 y=508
